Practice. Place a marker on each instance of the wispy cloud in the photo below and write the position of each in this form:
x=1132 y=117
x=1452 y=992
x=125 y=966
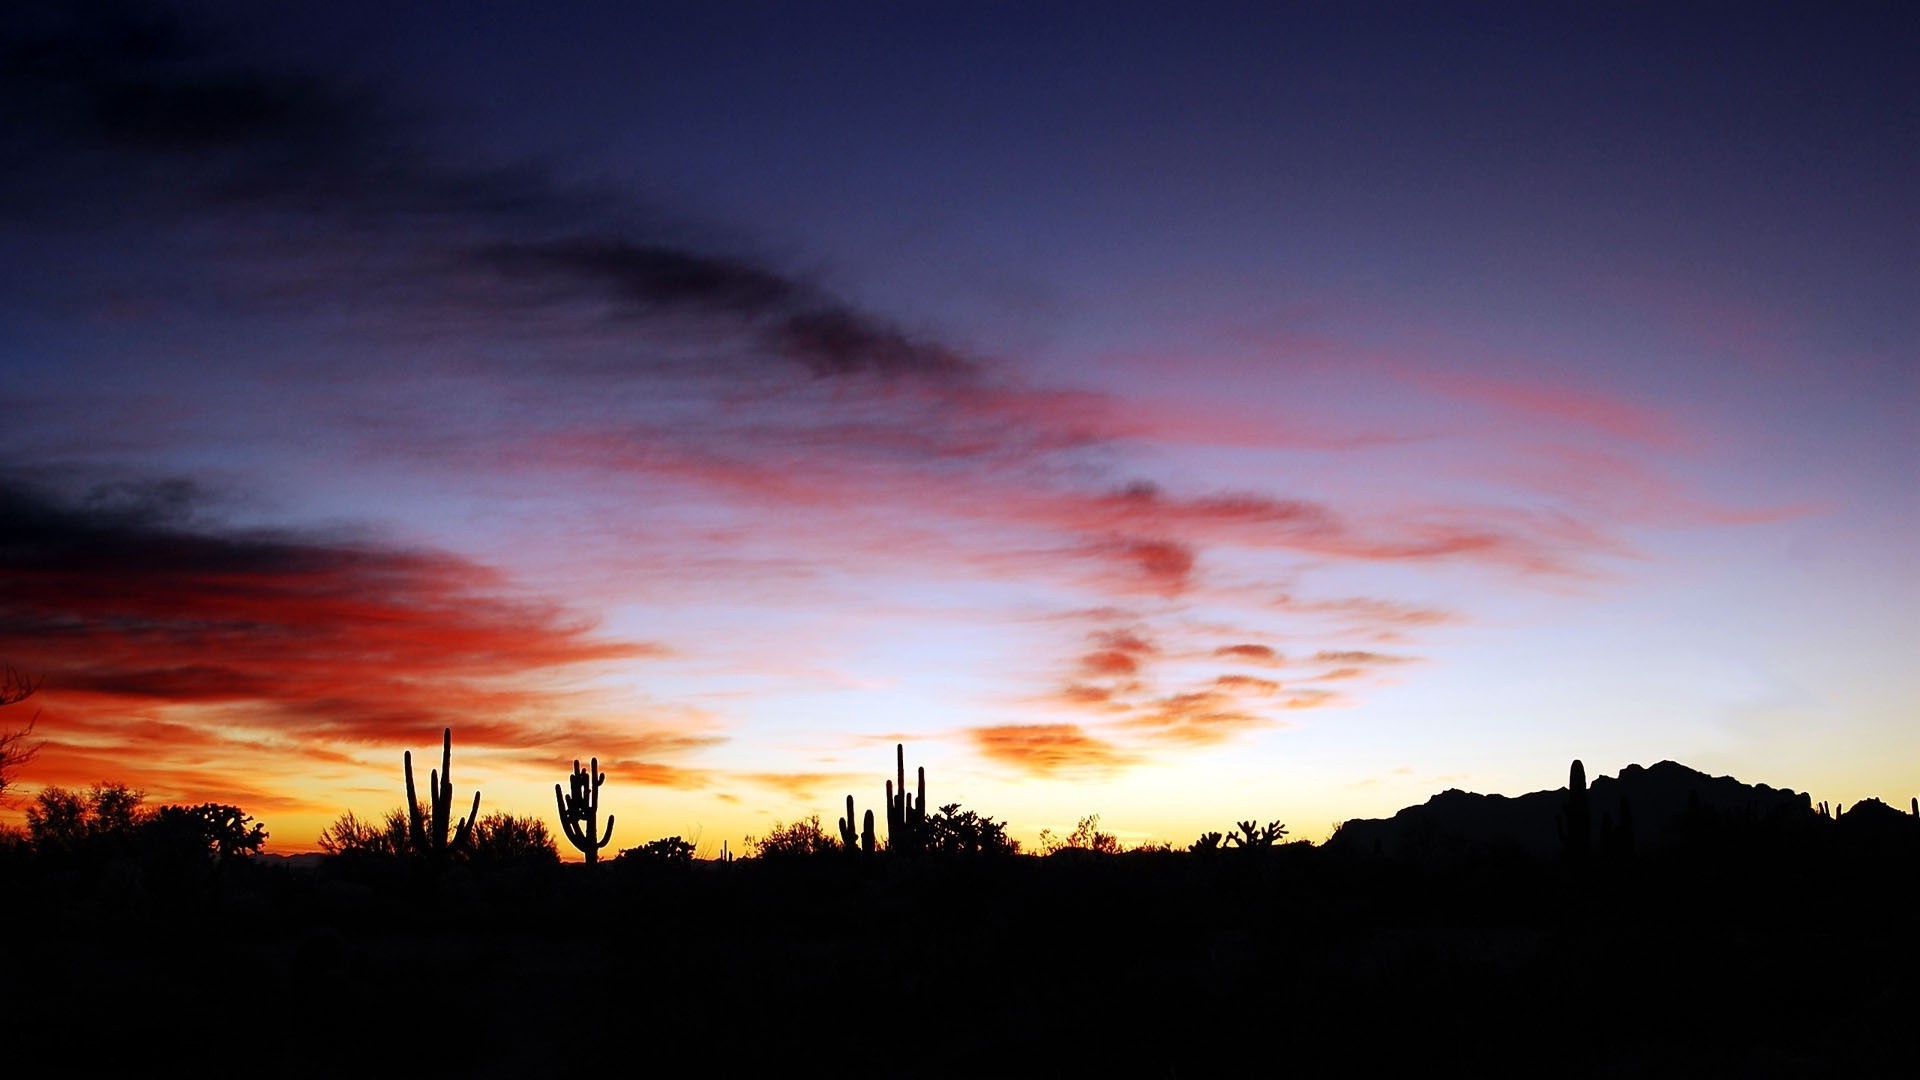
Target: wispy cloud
x=129 y=599
x=1264 y=655
x=1048 y=749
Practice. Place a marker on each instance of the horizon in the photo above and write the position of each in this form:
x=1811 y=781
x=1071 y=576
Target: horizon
x=1178 y=416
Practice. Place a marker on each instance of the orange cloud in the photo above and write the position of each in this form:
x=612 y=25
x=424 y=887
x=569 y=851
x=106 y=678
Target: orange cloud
x=1365 y=610
x=1046 y=749
x=807 y=785
x=1199 y=718
x=1358 y=656
x=1255 y=654
x=130 y=604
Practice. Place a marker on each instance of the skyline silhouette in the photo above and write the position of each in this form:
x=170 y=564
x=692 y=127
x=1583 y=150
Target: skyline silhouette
x=1192 y=418
x=1728 y=936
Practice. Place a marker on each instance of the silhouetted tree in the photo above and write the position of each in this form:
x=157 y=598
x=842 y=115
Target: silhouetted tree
x=803 y=837
x=1086 y=836
x=15 y=750
x=214 y=831
x=501 y=838
x=57 y=820
x=954 y=831
x=65 y=821
x=666 y=851
x=351 y=835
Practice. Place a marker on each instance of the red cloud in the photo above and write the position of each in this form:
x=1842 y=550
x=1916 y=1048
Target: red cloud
x=280 y=642
x=1200 y=718
x=1246 y=684
x=1256 y=654
x=1562 y=405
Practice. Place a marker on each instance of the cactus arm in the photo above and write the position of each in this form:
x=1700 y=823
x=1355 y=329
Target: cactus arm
x=416 y=829
x=427 y=835
x=847 y=836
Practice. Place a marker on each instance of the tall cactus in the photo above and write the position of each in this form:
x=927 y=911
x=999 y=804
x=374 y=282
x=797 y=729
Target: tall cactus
x=429 y=838
x=580 y=810
x=906 y=814
x=1575 y=821
x=862 y=841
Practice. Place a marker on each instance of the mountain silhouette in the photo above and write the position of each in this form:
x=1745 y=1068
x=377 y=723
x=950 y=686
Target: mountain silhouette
x=1650 y=808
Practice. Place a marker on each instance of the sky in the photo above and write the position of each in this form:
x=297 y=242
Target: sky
x=1181 y=414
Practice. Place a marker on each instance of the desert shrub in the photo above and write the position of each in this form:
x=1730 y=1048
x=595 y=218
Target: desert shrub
x=501 y=838
x=1086 y=836
x=666 y=851
x=803 y=837
x=212 y=832
x=953 y=831
x=355 y=836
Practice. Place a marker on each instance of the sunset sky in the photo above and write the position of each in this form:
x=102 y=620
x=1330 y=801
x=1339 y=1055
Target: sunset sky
x=1181 y=413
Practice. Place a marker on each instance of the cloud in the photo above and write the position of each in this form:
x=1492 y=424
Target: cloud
x=1246 y=684
x=1048 y=749
x=1366 y=611
x=1199 y=718
x=1253 y=654
x=1358 y=656
x=1117 y=654
x=1560 y=406
x=132 y=597
x=803 y=785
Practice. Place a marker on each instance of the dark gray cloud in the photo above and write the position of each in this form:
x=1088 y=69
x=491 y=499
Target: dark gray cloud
x=130 y=116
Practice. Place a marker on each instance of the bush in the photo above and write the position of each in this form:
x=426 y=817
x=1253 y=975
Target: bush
x=668 y=851
x=954 y=831
x=354 y=836
x=803 y=837
x=213 y=832
x=1086 y=836
x=502 y=839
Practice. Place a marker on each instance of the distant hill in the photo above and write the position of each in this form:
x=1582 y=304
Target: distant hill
x=1646 y=808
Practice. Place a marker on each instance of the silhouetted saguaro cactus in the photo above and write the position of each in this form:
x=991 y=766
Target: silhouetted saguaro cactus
x=580 y=810
x=906 y=814
x=1576 y=835
x=861 y=842
x=429 y=838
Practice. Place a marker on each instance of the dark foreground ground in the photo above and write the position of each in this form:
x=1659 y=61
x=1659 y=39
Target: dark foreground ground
x=1290 y=961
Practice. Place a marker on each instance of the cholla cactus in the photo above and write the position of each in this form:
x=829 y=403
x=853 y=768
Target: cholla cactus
x=1252 y=835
